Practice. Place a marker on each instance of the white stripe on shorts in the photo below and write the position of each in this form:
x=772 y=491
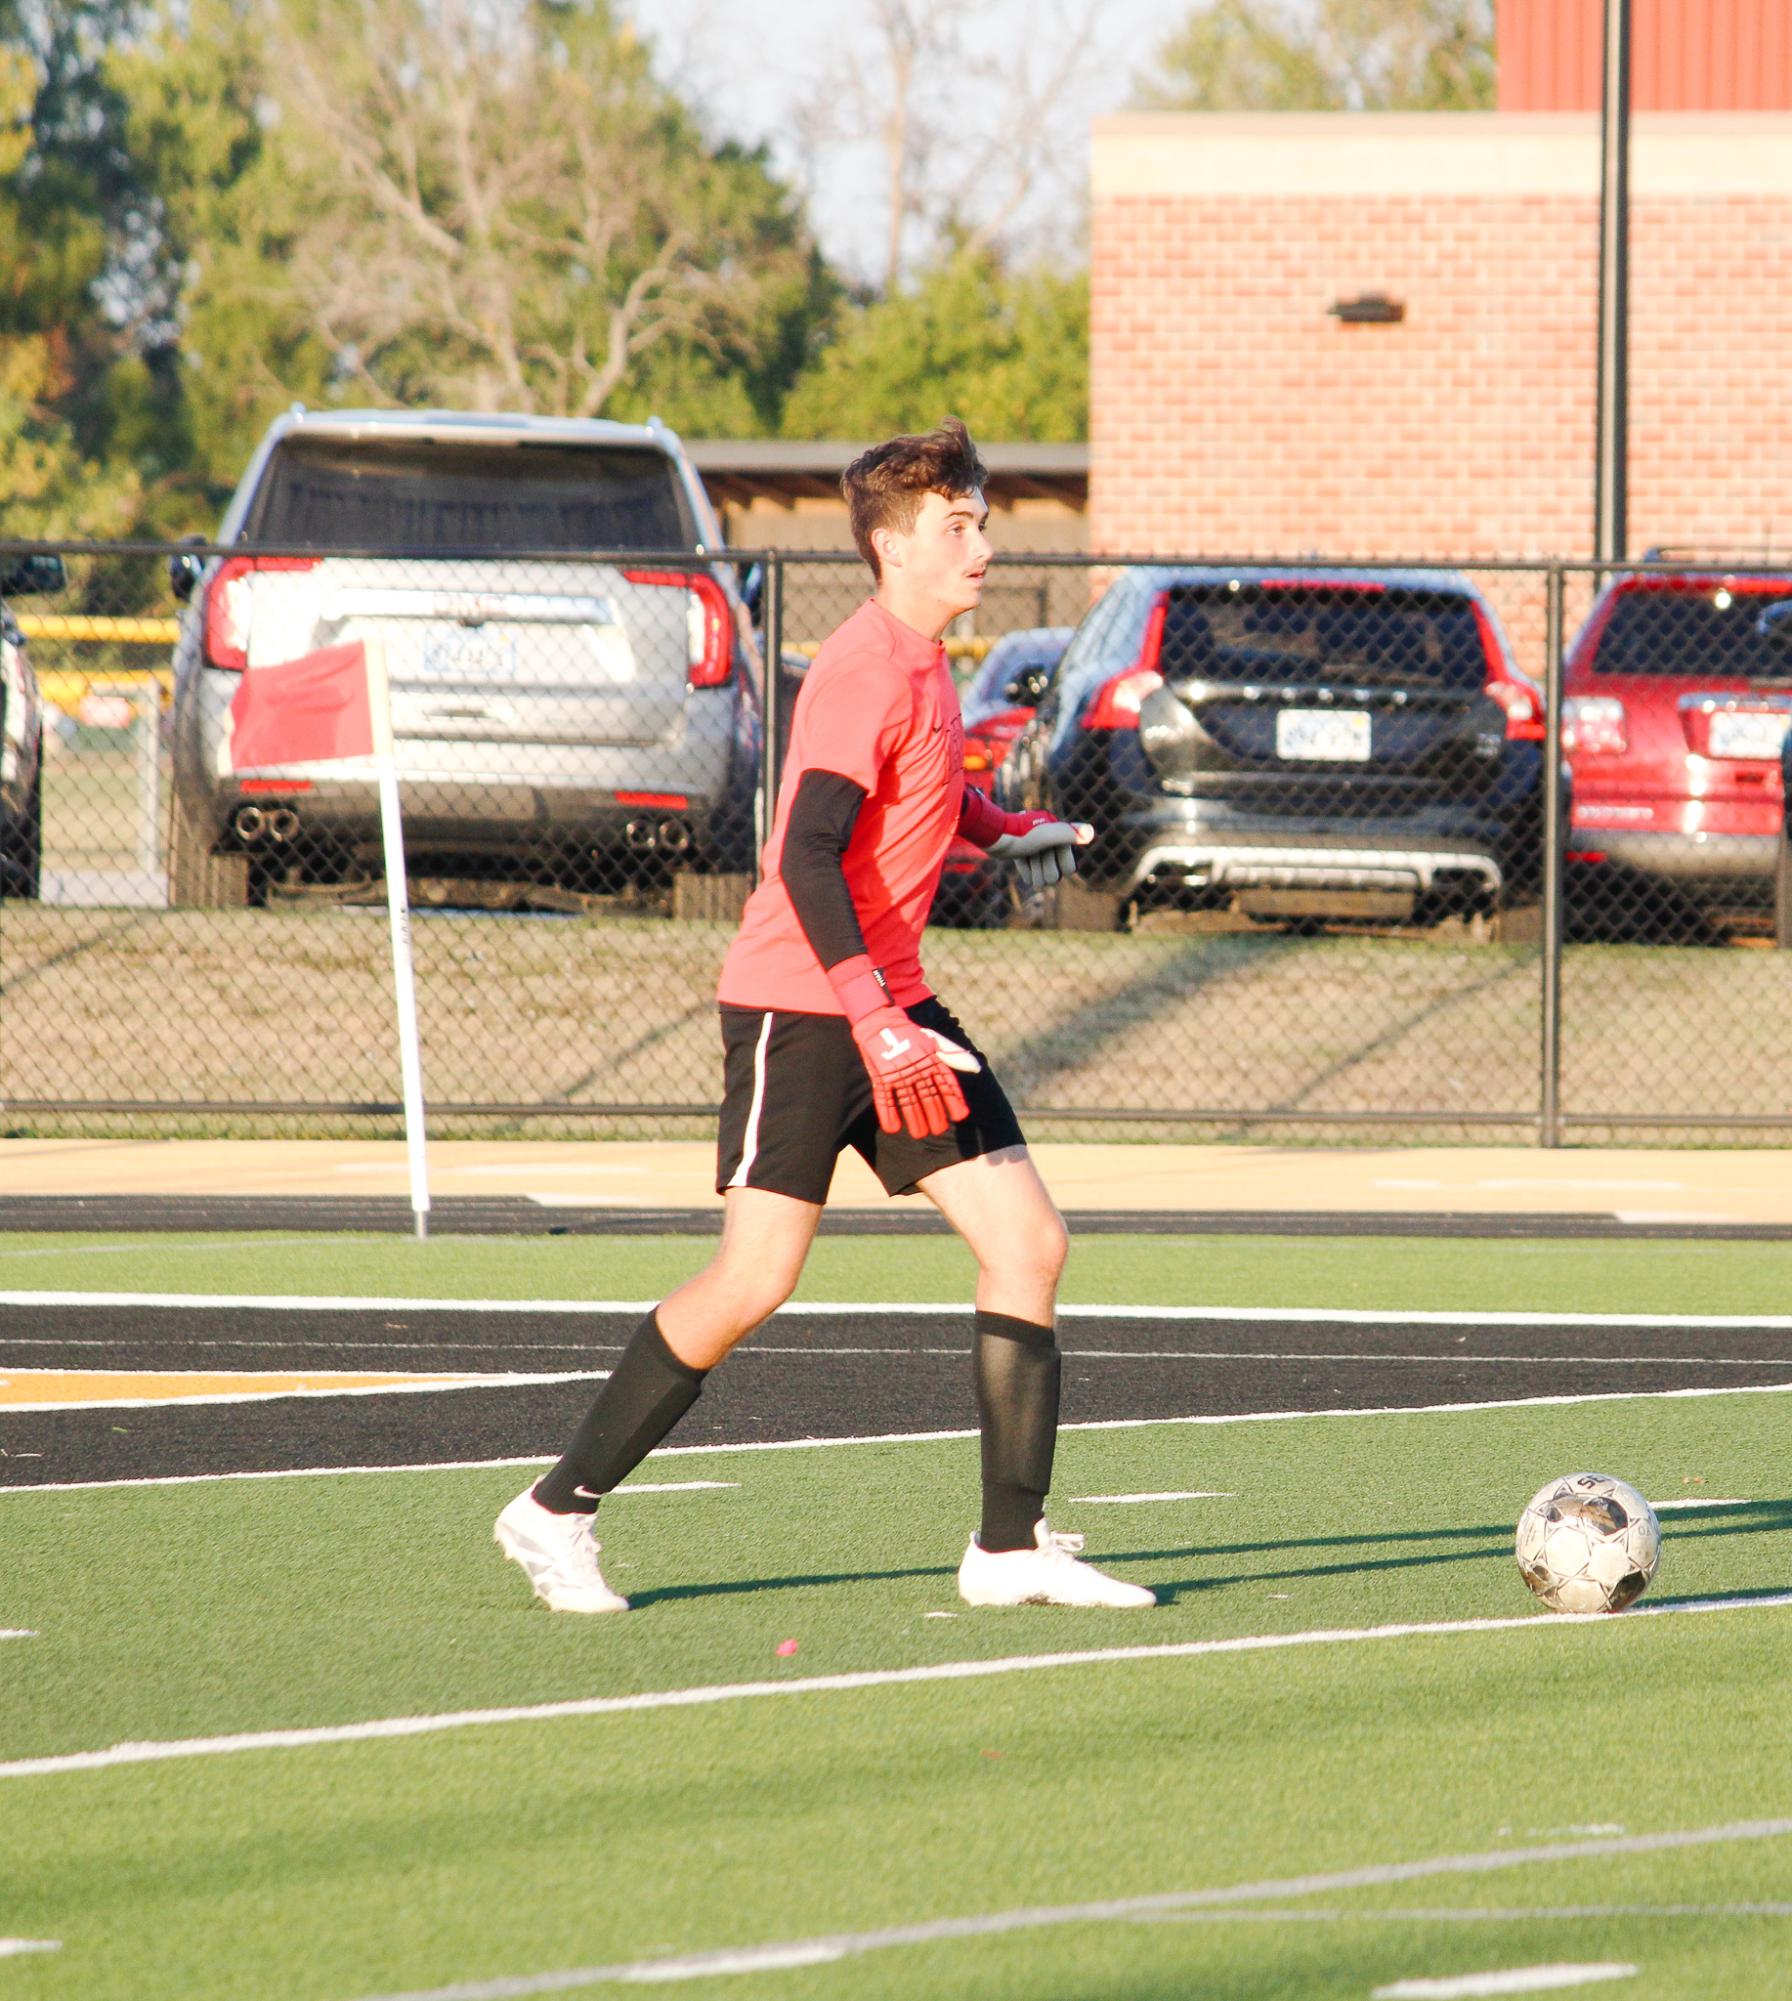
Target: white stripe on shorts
x=750 y=1139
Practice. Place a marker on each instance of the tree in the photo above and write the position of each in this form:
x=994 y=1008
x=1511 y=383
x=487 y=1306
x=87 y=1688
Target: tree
x=86 y=435
x=1006 y=351
x=969 y=128
x=489 y=204
x=1335 y=55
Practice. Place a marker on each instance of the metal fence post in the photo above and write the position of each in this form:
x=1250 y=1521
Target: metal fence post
x=771 y=616
x=1550 y=1082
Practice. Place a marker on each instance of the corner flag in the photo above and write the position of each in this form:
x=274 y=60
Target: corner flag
x=337 y=704
x=303 y=711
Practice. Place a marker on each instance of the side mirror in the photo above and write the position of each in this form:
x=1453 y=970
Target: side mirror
x=183 y=571
x=26 y=576
x=1775 y=625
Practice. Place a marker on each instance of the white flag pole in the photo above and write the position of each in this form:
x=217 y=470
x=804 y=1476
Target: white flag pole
x=398 y=911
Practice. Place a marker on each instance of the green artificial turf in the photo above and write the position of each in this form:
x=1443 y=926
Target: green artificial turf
x=511 y=1849
x=1406 y=1273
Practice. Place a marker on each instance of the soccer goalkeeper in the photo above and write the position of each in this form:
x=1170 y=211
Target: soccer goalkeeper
x=833 y=1038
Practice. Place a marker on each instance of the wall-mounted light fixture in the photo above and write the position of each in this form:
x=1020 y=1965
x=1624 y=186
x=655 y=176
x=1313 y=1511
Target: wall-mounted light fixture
x=1372 y=309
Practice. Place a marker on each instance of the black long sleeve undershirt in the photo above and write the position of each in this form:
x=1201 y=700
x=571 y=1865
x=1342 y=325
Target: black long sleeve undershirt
x=822 y=816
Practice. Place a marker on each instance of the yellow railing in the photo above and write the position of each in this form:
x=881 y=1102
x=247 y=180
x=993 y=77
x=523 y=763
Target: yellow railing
x=110 y=631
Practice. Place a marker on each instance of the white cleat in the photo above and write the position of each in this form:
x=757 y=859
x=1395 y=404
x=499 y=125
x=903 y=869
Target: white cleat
x=1050 y=1574
x=560 y=1554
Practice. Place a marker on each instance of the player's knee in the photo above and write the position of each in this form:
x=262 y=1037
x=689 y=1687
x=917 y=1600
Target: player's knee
x=752 y=1297
x=1034 y=1252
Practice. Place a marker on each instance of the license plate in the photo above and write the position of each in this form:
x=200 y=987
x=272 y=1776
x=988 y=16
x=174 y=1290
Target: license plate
x=1323 y=735
x=1746 y=733
x=469 y=655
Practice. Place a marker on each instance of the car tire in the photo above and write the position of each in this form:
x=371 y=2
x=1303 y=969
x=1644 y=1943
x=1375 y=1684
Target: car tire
x=23 y=872
x=1519 y=922
x=709 y=899
x=1078 y=907
x=199 y=878
x=1782 y=893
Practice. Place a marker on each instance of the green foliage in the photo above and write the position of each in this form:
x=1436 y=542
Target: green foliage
x=402 y=203
x=1339 y=55
x=81 y=447
x=1007 y=351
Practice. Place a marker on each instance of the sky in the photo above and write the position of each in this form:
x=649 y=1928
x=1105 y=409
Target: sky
x=751 y=65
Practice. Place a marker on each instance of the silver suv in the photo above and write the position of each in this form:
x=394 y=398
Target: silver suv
x=569 y=720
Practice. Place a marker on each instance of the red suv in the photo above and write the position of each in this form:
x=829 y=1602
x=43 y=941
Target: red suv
x=1676 y=698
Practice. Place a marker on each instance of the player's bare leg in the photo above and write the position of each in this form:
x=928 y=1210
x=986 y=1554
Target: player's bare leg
x=765 y=1239
x=1007 y=1218
x=548 y=1527
x=1000 y=1207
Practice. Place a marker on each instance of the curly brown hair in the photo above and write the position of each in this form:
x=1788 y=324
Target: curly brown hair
x=884 y=486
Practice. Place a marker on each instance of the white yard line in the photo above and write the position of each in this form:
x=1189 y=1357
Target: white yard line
x=1140 y=1500
x=380 y=1728
x=340 y=1472
x=16 y=1633
x=936 y=1437
x=990 y=1924
x=1338 y=1315
x=12 y=1947
x=1514 y=1980
x=1464 y=1914
x=809 y=1351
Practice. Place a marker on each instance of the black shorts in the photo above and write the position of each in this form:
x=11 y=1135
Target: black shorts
x=796 y=1094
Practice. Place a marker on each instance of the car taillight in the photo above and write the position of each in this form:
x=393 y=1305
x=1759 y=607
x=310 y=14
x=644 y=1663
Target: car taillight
x=1524 y=711
x=1117 y=702
x=976 y=756
x=1594 y=725
x=230 y=604
x=1518 y=695
x=708 y=628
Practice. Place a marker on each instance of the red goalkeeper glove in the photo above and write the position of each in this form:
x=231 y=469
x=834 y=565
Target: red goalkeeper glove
x=910 y=1067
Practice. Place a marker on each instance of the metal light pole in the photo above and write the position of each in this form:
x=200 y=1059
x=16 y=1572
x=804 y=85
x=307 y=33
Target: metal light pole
x=1614 y=287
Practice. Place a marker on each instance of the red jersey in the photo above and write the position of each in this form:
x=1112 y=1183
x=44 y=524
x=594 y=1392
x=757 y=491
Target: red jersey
x=878 y=707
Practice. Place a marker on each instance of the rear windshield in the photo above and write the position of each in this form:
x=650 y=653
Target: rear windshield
x=1258 y=632
x=1712 y=631
x=410 y=495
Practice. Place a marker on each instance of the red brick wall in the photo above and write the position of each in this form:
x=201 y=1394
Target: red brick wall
x=1231 y=414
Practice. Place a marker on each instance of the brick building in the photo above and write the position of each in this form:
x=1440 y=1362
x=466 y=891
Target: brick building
x=1375 y=334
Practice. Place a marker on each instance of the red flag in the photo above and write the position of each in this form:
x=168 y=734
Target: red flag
x=303 y=711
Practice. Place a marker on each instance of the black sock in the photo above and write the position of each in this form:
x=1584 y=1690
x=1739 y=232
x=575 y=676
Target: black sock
x=1017 y=1369
x=649 y=1390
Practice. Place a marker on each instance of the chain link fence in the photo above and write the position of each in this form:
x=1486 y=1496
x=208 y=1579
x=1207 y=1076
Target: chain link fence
x=1490 y=852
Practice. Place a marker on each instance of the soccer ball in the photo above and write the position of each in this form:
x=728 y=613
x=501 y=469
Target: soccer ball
x=1588 y=1543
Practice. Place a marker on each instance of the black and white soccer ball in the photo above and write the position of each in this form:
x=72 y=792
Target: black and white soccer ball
x=1588 y=1543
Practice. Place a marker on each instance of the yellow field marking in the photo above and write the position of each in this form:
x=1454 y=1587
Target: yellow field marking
x=22 y=1387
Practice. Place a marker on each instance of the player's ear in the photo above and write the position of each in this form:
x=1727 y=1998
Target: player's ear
x=889 y=544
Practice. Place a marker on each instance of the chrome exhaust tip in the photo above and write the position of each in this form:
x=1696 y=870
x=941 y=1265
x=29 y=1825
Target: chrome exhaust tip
x=675 y=837
x=250 y=823
x=282 y=824
x=641 y=835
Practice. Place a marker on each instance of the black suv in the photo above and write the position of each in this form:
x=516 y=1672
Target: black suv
x=21 y=731
x=1308 y=746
